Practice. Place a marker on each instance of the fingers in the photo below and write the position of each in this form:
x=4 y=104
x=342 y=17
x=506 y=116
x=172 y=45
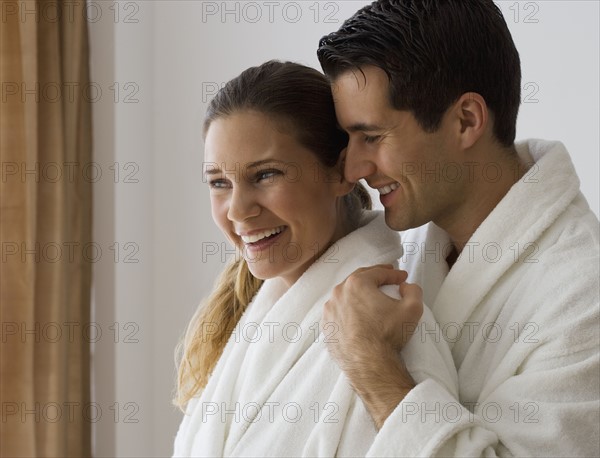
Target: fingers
x=376 y=266
x=376 y=276
x=412 y=300
x=360 y=307
x=411 y=291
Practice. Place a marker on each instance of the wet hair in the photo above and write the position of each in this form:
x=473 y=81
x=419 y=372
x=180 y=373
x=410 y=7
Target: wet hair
x=299 y=99
x=433 y=51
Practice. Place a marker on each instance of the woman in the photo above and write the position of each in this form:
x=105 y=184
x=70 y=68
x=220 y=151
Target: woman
x=255 y=377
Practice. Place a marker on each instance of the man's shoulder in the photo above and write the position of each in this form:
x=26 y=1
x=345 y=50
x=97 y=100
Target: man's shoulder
x=561 y=273
x=568 y=250
x=575 y=231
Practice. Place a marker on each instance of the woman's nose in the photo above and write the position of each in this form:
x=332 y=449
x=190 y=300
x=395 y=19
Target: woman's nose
x=242 y=205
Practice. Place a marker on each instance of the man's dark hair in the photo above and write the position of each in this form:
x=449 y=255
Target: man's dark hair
x=433 y=51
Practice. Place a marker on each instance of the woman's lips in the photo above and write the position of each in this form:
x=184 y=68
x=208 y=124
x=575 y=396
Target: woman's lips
x=265 y=243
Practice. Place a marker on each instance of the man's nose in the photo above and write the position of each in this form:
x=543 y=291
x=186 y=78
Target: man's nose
x=358 y=165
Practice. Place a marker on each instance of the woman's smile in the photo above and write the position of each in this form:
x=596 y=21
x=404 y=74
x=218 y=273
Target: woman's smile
x=262 y=240
x=282 y=212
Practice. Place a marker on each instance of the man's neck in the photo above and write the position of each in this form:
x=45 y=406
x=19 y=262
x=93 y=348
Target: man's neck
x=483 y=196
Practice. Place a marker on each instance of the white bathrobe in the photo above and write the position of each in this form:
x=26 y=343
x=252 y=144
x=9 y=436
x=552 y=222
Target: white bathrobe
x=520 y=311
x=275 y=391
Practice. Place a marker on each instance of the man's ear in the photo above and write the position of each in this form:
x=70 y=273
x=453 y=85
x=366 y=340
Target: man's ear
x=343 y=186
x=473 y=117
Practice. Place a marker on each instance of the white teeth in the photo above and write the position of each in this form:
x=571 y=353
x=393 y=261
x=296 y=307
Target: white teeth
x=261 y=235
x=389 y=188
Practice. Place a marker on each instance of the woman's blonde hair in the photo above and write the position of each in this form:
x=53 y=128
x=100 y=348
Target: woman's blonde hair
x=300 y=97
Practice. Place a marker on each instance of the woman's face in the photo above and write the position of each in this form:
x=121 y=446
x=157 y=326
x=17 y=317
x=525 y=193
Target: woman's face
x=271 y=196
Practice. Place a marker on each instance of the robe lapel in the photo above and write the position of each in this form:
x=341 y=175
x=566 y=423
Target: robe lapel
x=295 y=317
x=508 y=235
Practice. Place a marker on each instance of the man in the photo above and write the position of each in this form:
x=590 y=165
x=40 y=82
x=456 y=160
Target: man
x=497 y=235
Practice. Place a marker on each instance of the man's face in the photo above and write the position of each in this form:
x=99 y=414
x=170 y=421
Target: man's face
x=413 y=170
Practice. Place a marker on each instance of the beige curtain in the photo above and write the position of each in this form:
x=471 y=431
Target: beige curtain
x=45 y=204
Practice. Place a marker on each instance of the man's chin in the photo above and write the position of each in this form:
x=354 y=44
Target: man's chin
x=392 y=220
x=399 y=222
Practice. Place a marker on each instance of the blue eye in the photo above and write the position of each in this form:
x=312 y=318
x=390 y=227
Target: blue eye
x=218 y=184
x=268 y=174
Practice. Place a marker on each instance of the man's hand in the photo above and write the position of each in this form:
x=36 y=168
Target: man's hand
x=371 y=329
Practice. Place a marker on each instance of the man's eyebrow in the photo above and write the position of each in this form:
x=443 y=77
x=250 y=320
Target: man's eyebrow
x=363 y=127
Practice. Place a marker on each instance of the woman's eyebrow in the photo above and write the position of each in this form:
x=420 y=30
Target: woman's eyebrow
x=262 y=162
x=212 y=168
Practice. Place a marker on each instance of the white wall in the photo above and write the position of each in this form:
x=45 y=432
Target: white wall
x=178 y=53
x=122 y=61
x=561 y=80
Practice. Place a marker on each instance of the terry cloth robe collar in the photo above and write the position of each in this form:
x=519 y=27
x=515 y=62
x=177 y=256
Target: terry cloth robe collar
x=299 y=308
x=507 y=234
x=283 y=393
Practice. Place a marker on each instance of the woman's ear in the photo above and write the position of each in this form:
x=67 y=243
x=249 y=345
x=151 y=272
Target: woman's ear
x=344 y=186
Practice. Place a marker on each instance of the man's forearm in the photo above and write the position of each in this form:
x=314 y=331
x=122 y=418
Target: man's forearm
x=381 y=381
